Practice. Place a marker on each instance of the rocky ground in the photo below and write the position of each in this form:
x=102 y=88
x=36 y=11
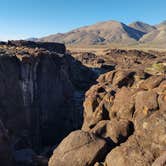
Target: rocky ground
x=42 y=90
x=124 y=113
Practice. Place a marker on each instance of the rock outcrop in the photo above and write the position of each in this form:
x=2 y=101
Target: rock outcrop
x=37 y=94
x=127 y=109
x=56 y=47
x=160 y=161
x=79 y=148
x=121 y=97
x=41 y=91
x=35 y=91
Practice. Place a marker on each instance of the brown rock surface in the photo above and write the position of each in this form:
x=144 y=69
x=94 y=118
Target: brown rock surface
x=142 y=148
x=79 y=149
x=123 y=106
x=140 y=100
x=129 y=117
x=160 y=161
x=152 y=82
x=145 y=103
x=114 y=130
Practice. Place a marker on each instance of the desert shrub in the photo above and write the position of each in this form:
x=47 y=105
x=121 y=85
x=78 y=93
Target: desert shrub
x=156 y=68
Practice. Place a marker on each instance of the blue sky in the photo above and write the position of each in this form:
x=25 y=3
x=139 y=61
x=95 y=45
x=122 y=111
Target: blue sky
x=36 y=18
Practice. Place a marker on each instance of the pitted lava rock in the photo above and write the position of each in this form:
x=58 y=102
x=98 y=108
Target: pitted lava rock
x=127 y=109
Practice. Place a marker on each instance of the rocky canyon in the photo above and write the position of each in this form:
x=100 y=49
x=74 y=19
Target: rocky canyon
x=60 y=107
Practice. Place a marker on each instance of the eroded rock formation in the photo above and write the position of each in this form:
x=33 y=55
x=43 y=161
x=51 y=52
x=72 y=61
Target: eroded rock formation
x=38 y=86
x=79 y=148
x=42 y=88
x=127 y=109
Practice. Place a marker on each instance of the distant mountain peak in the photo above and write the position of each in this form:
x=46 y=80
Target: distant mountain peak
x=163 y=22
x=112 y=32
x=141 y=26
x=162 y=25
x=100 y=33
x=139 y=23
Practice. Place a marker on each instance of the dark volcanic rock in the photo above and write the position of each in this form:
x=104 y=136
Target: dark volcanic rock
x=34 y=90
x=81 y=76
x=38 y=83
x=6 y=158
x=57 y=47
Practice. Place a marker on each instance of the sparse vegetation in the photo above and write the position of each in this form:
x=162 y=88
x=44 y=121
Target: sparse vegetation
x=156 y=68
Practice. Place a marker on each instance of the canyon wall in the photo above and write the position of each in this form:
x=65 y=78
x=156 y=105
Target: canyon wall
x=37 y=94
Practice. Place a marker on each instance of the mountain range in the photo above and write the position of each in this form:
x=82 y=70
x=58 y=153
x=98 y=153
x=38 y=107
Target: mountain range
x=113 y=32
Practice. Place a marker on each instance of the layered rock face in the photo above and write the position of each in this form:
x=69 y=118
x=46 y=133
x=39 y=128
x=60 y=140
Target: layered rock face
x=127 y=110
x=35 y=91
x=37 y=94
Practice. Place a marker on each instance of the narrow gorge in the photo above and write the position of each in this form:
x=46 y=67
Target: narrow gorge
x=91 y=110
x=38 y=89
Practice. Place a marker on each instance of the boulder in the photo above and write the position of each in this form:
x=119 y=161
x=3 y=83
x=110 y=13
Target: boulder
x=79 y=148
x=129 y=154
x=145 y=103
x=123 y=78
x=152 y=82
x=162 y=101
x=123 y=106
x=114 y=131
x=144 y=146
x=93 y=111
x=134 y=109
